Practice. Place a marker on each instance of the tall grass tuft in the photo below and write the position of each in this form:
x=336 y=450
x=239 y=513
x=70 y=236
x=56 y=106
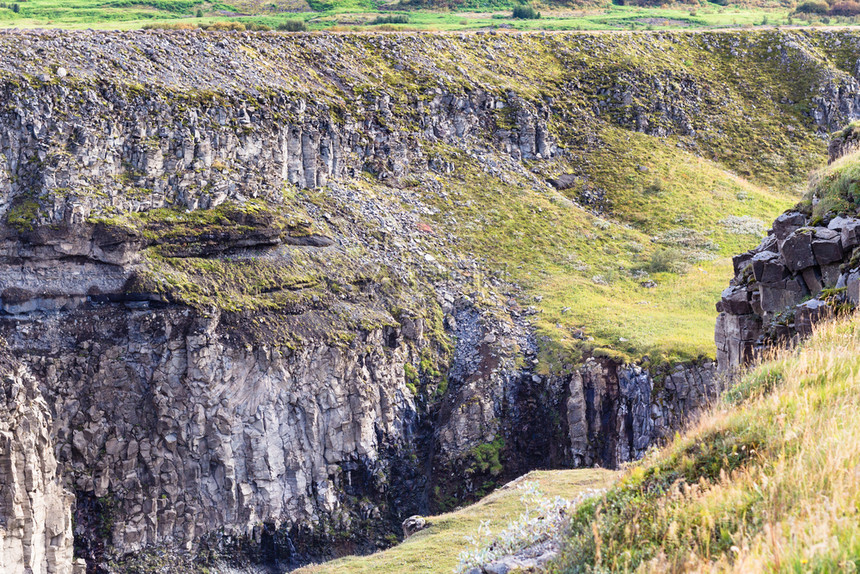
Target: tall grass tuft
x=769 y=481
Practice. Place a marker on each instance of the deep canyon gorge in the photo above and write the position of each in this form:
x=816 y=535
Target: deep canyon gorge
x=256 y=301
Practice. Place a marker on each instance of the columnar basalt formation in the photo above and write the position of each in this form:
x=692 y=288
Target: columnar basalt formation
x=805 y=271
x=35 y=508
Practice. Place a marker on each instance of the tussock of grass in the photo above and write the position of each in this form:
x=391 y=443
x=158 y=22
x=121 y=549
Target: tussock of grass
x=769 y=485
x=836 y=187
x=437 y=548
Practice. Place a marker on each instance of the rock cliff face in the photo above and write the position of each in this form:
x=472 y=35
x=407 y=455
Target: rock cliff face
x=35 y=509
x=210 y=260
x=615 y=412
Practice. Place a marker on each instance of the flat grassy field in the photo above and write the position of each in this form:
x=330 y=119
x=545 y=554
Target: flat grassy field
x=436 y=548
x=357 y=15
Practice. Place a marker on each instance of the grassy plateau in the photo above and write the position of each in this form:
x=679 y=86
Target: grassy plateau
x=374 y=15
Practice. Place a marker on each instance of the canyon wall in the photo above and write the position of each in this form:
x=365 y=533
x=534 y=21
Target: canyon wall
x=208 y=262
x=35 y=509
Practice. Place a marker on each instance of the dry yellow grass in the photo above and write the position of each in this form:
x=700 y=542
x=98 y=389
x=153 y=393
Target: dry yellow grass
x=770 y=482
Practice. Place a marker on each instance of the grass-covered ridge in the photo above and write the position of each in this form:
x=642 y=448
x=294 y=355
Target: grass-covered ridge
x=436 y=549
x=835 y=190
x=435 y=15
x=767 y=483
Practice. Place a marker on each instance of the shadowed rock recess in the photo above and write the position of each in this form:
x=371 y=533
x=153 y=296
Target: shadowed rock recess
x=254 y=350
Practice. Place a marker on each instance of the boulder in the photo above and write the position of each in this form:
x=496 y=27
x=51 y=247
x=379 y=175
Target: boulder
x=827 y=246
x=735 y=302
x=850 y=234
x=414 y=524
x=839 y=222
x=796 y=250
x=767 y=267
x=830 y=274
x=810 y=313
x=786 y=223
x=813 y=281
x=741 y=260
x=563 y=181
x=776 y=298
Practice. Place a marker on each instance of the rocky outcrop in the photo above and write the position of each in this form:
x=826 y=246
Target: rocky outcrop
x=35 y=508
x=616 y=412
x=806 y=270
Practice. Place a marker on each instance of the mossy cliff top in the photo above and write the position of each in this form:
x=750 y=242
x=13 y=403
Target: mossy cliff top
x=662 y=154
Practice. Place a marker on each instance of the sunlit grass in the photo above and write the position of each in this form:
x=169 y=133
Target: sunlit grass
x=357 y=14
x=593 y=279
x=436 y=549
x=767 y=483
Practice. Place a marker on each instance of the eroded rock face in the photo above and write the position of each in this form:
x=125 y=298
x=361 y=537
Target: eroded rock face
x=35 y=508
x=188 y=430
x=616 y=412
x=792 y=280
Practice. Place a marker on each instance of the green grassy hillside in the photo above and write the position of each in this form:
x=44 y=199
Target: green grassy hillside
x=626 y=261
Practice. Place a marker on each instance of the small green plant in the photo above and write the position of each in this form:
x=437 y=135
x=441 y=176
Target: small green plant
x=666 y=260
x=23 y=216
x=292 y=26
x=411 y=374
x=486 y=458
x=525 y=13
x=390 y=19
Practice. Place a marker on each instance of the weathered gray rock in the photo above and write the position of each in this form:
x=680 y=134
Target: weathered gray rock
x=850 y=234
x=614 y=412
x=827 y=246
x=35 y=509
x=768 y=268
x=775 y=298
x=812 y=279
x=787 y=223
x=735 y=300
x=852 y=285
x=810 y=313
x=414 y=524
x=796 y=249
